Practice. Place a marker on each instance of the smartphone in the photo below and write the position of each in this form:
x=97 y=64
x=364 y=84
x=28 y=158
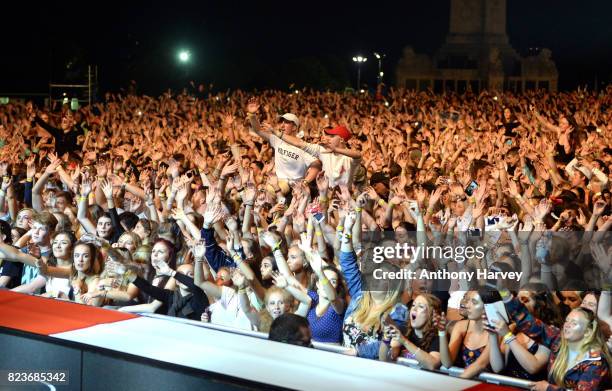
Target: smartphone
x=319 y=217
x=469 y=190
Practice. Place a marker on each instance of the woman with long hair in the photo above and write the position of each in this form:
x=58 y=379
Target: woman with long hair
x=579 y=356
x=420 y=341
x=84 y=273
x=468 y=346
x=370 y=306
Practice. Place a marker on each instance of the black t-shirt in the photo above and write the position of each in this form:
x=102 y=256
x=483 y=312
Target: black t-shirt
x=13 y=270
x=434 y=346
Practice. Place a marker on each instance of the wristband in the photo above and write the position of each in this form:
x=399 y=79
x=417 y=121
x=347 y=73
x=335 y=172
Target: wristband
x=309 y=226
x=348 y=236
x=323 y=199
x=381 y=202
x=30 y=180
x=441 y=333
x=324 y=281
x=340 y=228
x=508 y=340
x=508 y=335
x=504 y=293
x=358 y=209
x=82 y=198
x=276 y=247
x=318 y=233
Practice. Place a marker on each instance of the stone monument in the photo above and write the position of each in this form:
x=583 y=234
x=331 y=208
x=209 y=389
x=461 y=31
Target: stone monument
x=477 y=54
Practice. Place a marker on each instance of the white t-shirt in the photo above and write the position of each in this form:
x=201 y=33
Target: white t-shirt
x=290 y=162
x=339 y=169
x=227 y=311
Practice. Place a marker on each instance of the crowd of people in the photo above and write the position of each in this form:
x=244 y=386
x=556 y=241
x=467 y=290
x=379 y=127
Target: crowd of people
x=259 y=211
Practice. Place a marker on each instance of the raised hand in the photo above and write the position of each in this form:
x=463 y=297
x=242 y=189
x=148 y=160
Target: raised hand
x=163 y=268
x=542 y=209
x=362 y=200
x=249 y=194
x=270 y=239
x=229 y=170
x=7 y=181
x=85 y=186
x=115 y=268
x=599 y=206
x=231 y=224
x=213 y=214
x=279 y=280
x=30 y=167
x=439 y=322
x=199 y=249
x=107 y=189
x=322 y=183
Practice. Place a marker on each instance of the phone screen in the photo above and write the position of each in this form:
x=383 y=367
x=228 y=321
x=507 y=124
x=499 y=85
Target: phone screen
x=469 y=190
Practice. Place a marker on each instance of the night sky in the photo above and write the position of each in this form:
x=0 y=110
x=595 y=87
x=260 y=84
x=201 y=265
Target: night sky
x=252 y=45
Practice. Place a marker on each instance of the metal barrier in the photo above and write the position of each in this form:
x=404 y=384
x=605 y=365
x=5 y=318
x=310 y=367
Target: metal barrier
x=486 y=377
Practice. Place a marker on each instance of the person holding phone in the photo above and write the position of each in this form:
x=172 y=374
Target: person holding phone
x=420 y=341
x=469 y=341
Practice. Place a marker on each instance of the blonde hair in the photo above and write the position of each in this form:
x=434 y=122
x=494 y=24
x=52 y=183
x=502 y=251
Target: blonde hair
x=368 y=314
x=594 y=340
x=265 y=319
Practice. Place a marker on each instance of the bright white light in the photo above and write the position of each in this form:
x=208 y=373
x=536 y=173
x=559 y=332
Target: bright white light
x=377 y=55
x=365 y=59
x=355 y=59
x=139 y=112
x=362 y=91
x=297 y=91
x=494 y=98
x=382 y=74
x=184 y=56
x=386 y=103
x=359 y=58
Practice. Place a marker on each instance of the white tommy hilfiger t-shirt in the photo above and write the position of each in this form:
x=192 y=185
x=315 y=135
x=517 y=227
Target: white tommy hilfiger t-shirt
x=291 y=163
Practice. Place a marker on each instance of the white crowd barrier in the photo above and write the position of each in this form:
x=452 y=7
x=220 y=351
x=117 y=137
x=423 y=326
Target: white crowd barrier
x=492 y=378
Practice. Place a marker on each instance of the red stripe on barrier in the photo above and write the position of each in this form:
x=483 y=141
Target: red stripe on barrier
x=490 y=387
x=48 y=316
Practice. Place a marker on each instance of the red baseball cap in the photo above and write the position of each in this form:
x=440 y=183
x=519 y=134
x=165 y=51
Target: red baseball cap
x=341 y=131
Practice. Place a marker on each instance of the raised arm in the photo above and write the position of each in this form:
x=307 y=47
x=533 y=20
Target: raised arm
x=201 y=272
x=83 y=203
x=298 y=293
x=252 y=109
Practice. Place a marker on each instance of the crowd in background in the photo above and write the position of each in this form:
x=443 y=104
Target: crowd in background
x=258 y=212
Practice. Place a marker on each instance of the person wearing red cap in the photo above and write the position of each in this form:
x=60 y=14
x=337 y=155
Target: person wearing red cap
x=339 y=162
